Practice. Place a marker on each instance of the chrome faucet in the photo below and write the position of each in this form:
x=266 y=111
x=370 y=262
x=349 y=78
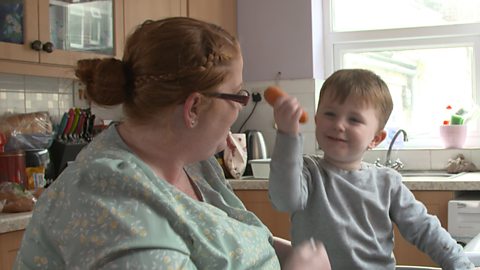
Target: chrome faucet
x=397 y=164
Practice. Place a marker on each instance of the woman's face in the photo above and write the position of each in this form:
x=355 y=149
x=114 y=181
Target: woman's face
x=221 y=114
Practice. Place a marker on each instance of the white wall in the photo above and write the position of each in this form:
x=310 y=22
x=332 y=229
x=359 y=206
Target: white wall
x=281 y=36
x=317 y=40
x=276 y=36
x=262 y=118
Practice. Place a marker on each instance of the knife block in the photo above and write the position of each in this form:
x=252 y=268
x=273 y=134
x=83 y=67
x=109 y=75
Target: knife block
x=63 y=152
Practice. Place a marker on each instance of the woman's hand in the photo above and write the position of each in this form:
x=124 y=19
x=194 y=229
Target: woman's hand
x=308 y=255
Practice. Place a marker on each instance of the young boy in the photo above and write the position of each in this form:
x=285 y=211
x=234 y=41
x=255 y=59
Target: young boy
x=348 y=204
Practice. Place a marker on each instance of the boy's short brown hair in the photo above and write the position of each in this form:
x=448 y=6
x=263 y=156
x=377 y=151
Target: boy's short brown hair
x=363 y=85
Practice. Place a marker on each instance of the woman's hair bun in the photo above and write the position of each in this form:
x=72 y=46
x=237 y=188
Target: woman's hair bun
x=105 y=80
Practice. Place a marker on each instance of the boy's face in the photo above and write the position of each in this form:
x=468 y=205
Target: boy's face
x=345 y=131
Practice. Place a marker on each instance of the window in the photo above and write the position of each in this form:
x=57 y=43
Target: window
x=427 y=51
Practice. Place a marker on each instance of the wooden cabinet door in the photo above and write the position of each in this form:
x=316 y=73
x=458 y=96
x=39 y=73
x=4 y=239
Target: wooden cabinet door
x=70 y=57
x=37 y=27
x=257 y=201
x=9 y=246
x=29 y=30
x=136 y=13
x=220 y=12
x=437 y=204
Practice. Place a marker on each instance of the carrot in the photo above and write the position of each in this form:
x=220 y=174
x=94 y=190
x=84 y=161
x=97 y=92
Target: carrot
x=272 y=93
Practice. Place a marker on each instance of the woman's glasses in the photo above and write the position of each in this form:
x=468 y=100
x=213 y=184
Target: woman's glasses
x=242 y=97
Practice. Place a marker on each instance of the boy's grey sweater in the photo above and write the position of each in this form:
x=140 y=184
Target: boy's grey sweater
x=353 y=212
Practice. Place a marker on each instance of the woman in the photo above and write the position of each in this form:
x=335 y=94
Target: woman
x=147 y=193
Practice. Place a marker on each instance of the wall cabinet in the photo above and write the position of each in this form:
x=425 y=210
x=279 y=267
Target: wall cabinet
x=47 y=21
x=9 y=246
x=55 y=34
x=221 y=12
x=136 y=14
x=64 y=32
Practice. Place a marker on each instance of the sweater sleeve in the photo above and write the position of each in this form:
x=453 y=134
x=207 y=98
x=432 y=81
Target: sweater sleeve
x=287 y=187
x=424 y=230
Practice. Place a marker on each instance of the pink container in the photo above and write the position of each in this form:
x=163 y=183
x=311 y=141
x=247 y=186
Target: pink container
x=453 y=136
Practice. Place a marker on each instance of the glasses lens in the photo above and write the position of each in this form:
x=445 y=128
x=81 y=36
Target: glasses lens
x=244 y=97
x=244 y=92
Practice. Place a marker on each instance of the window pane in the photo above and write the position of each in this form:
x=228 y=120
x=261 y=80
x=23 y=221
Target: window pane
x=351 y=15
x=422 y=82
x=84 y=25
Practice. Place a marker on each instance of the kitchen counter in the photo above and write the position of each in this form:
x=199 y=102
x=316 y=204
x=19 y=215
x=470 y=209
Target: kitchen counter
x=465 y=182
x=14 y=221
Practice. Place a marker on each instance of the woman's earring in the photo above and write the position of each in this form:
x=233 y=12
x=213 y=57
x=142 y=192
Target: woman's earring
x=193 y=123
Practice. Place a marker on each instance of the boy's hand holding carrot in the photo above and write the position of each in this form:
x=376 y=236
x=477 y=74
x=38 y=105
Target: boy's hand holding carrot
x=287 y=112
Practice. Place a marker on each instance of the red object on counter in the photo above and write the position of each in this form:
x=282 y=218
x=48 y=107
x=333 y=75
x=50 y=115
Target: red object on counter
x=3 y=141
x=12 y=167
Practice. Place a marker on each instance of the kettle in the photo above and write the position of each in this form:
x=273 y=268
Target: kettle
x=256 y=148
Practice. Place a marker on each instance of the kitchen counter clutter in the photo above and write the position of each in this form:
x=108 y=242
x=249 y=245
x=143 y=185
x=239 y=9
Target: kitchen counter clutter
x=463 y=182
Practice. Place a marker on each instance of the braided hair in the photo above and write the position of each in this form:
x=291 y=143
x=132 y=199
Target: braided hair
x=164 y=61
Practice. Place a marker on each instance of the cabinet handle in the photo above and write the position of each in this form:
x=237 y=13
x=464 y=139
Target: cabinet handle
x=36 y=45
x=48 y=47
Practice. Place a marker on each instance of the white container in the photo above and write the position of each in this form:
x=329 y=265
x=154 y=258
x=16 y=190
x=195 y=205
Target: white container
x=260 y=168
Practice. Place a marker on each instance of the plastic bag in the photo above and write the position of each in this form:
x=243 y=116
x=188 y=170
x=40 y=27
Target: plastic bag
x=15 y=198
x=27 y=131
x=460 y=164
x=235 y=155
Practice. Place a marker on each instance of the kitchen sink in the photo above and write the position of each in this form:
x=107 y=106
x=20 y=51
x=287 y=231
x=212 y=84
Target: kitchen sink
x=428 y=173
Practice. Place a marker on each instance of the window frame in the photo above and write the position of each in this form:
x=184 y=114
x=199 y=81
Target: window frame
x=336 y=44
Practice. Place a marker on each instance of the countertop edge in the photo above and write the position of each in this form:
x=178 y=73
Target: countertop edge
x=466 y=182
x=10 y=222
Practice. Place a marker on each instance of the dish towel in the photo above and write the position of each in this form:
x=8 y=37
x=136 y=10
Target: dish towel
x=235 y=154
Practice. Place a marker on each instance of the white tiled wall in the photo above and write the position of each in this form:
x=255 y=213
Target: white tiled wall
x=262 y=118
x=305 y=90
x=23 y=94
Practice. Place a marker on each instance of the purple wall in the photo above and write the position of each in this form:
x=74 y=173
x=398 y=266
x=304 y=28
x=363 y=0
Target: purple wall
x=277 y=36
